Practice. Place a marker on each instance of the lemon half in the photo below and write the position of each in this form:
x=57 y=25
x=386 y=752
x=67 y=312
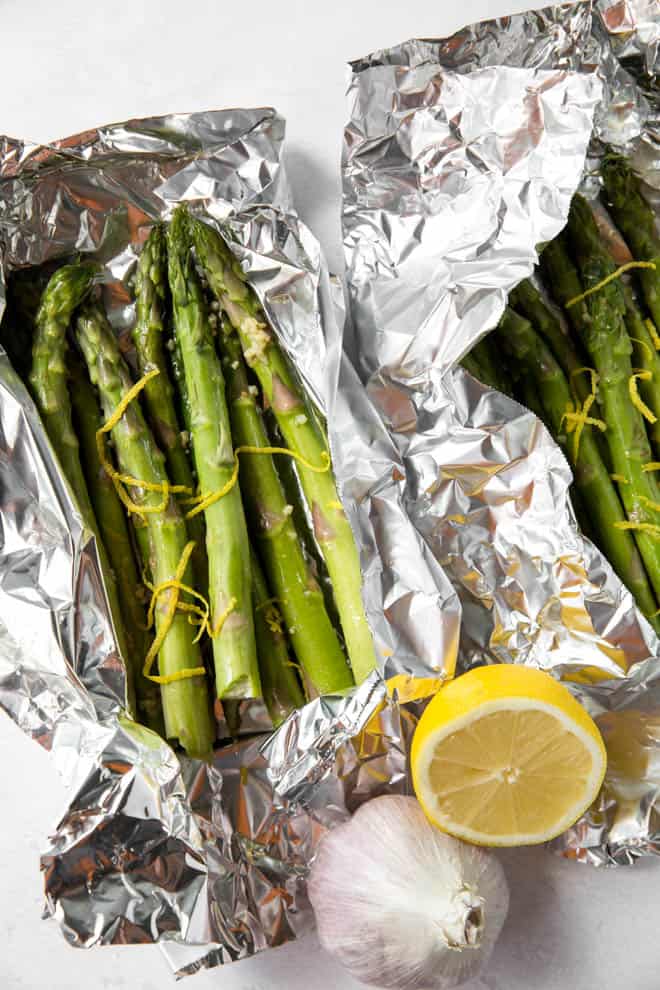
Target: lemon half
x=505 y=756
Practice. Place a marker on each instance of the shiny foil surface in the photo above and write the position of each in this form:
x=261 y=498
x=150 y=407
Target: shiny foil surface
x=206 y=860
x=461 y=155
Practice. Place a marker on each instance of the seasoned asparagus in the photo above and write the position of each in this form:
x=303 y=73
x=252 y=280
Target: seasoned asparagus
x=230 y=579
x=636 y=221
x=471 y=364
x=148 y=337
x=599 y=321
x=527 y=300
x=64 y=292
x=111 y=518
x=299 y=597
x=645 y=356
x=282 y=691
x=186 y=707
x=529 y=396
x=489 y=361
x=301 y=434
x=592 y=479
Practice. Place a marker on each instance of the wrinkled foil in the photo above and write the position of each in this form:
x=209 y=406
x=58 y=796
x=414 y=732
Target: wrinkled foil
x=207 y=860
x=460 y=156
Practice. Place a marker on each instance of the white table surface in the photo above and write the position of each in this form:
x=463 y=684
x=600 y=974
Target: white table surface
x=66 y=65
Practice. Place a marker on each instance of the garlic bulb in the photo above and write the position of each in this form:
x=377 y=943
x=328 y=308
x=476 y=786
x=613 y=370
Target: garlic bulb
x=402 y=905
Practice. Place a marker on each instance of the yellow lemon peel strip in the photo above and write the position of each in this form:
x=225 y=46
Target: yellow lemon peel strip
x=649 y=502
x=204 y=501
x=121 y=481
x=175 y=586
x=579 y=418
x=610 y=278
x=651 y=466
x=642 y=526
x=635 y=397
x=620 y=479
x=646 y=346
x=217 y=628
x=653 y=333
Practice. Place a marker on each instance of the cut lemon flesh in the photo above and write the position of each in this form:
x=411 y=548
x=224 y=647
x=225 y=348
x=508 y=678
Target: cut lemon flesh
x=505 y=756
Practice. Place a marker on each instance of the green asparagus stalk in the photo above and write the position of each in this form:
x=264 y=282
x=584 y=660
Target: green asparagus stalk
x=636 y=221
x=527 y=300
x=645 y=356
x=286 y=469
x=646 y=359
x=299 y=597
x=471 y=364
x=115 y=533
x=486 y=355
x=148 y=337
x=601 y=327
x=230 y=579
x=526 y=389
x=282 y=691
x=64 y=292
x=301 y=435
x=185 y=702
x=592 y=479
x=527 y=392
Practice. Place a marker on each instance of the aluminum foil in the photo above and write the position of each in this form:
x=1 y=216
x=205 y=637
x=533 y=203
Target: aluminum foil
x=460 y=156
x=206 y=860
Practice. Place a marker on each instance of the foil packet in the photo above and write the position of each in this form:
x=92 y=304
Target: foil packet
x=460 y=156
x=206 y=859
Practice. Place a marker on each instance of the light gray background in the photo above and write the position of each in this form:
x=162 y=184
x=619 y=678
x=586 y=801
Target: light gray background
x=66 y=65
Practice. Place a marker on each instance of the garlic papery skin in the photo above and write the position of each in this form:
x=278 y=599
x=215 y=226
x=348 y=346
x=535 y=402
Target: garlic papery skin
x=402 y=905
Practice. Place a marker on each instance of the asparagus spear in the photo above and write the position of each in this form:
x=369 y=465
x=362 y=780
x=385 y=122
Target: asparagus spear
x=600 y=325
x=647 y=359
x=636 y=221
x=471 y=364
x=487 y=358
x=185 y=702
x=482 y=366
x=282 y=691
x=526 y=388
x=299 y=596
x=114 y=530
x=527 y=300
x=230 y=580
x=592 y=479
x=64 y=292
x=302 y=436
x=286 y=469
x=644 y=353
x=148 y=334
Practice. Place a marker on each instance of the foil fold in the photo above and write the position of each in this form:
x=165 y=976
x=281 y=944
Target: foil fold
x=460 y=156
x=209 y=861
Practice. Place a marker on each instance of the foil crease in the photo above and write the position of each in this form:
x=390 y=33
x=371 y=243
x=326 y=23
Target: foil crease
x=460 y=156
x=209 y=861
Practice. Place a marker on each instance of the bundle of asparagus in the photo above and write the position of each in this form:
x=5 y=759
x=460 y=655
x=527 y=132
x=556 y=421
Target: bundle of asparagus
x=583 y=352
x=177 y=476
